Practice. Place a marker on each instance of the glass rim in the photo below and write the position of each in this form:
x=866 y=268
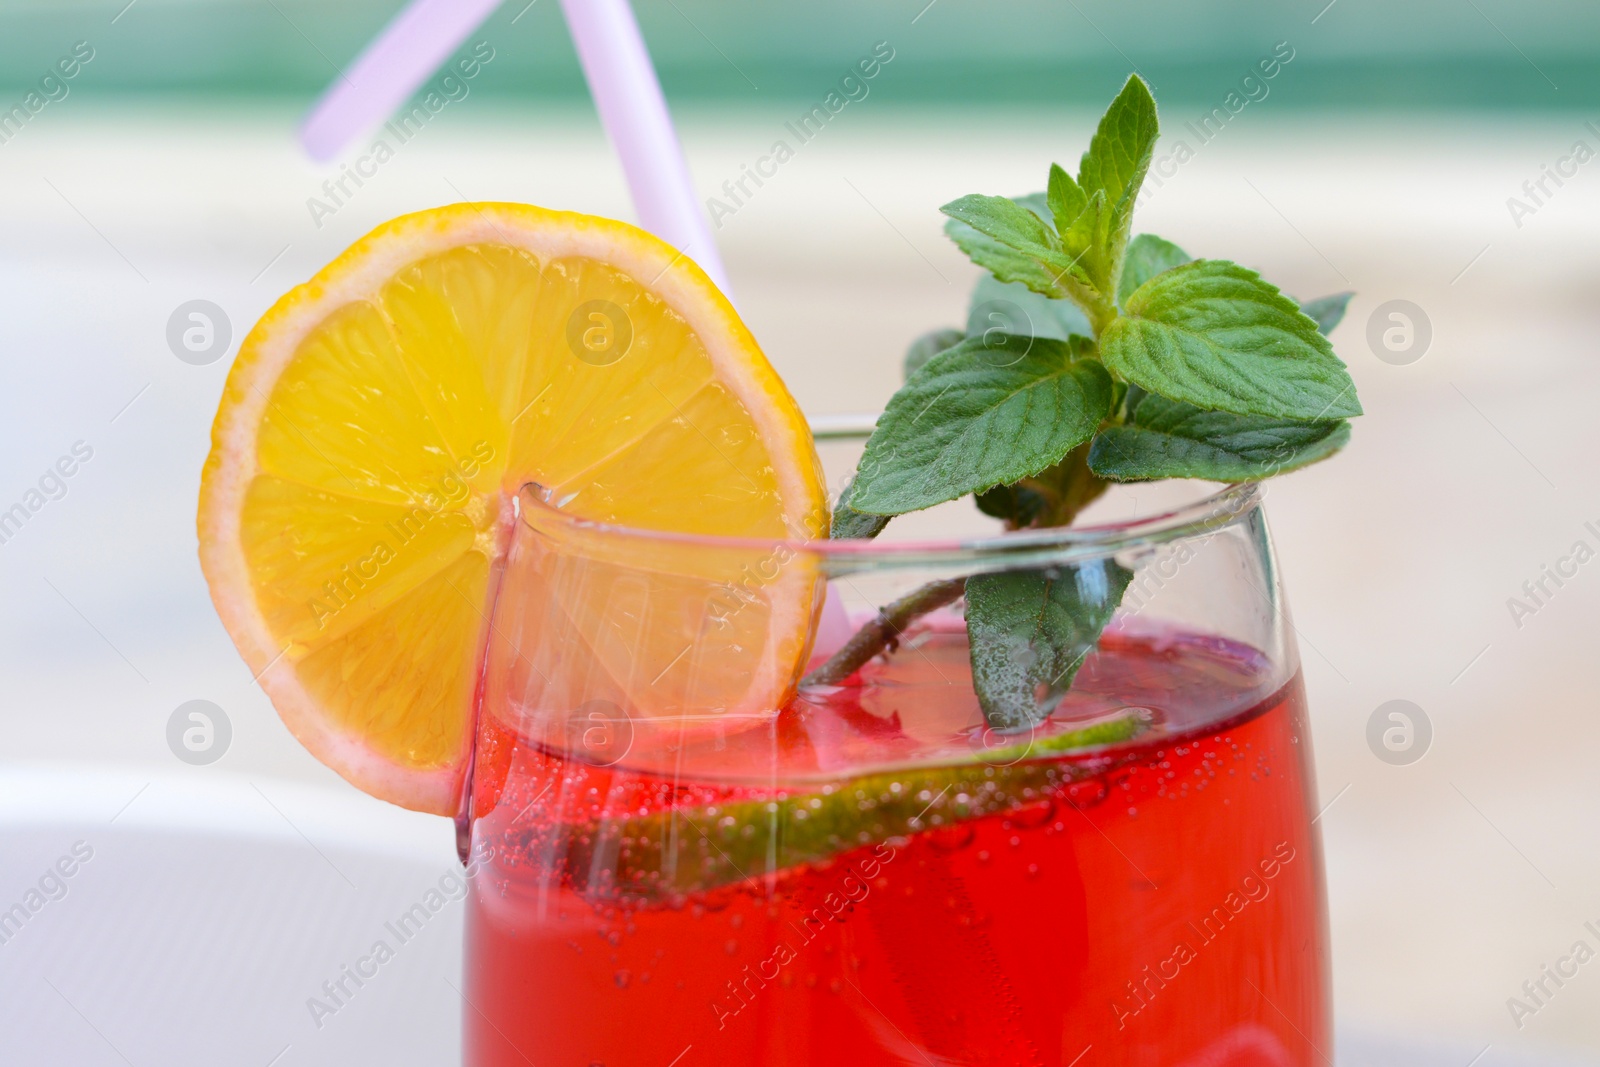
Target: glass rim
x=1204 y=515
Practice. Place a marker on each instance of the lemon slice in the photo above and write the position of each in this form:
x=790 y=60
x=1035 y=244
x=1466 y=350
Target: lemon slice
x=380 y=419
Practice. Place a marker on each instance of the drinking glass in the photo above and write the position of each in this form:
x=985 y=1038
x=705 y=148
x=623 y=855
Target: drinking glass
x=680 y=858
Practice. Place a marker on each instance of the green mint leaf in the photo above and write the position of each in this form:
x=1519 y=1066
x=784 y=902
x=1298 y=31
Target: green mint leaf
x=1031 y=630
x=1004 y=220
x=976 y=416
x=1327 y=311
x=1119 y=152
x=1216 y=335
x=1147 y=256
x=1171 y=439
x=1064 y=197
x=1012 y=308
x=848 y=523
x=1012 y=240
x=1118 y=157
x=1006 y=263
x=929 y=345
x=1086 y=239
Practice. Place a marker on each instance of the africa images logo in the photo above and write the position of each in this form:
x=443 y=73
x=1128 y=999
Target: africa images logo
x=51 y=87
x=345 y=586
x=854 y=886
x=450 y=88
x=853 y=87
x=1253 y=889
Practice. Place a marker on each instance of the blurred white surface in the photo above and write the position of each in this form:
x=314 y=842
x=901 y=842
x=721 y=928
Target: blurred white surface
x=202 y=920
x=1451 y=880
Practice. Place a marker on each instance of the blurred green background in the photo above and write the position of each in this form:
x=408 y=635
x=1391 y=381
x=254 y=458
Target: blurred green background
x=1501 y=54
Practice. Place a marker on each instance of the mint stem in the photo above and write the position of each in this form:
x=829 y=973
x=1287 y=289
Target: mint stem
x=1067 y=488
x=1101 y=313
x=884 y=630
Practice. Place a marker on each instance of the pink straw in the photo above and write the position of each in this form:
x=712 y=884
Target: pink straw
x=621 y=78
x=628 y=96
x=384 y=76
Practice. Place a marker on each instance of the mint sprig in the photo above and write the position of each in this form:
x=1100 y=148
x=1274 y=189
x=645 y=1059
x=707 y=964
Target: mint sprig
x=1090 y=357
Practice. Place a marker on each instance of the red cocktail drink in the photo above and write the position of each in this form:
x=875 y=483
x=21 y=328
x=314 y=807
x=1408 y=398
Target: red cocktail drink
x=1154 y=900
